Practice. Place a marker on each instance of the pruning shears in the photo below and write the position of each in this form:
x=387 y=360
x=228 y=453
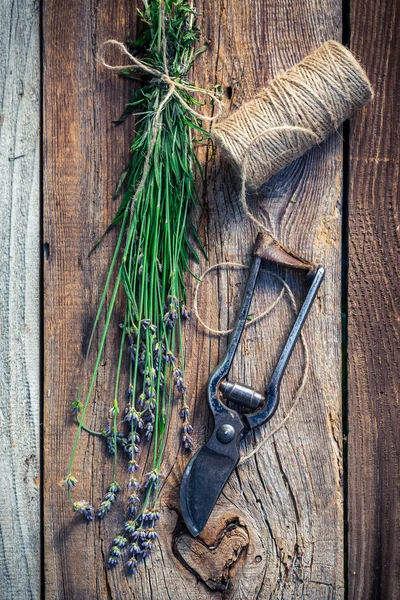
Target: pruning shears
x=210 y=468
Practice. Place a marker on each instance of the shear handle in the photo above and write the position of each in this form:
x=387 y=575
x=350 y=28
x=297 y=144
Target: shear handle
x=221 y=371
x=262 y=416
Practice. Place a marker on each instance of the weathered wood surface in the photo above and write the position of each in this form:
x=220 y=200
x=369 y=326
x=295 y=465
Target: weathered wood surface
x=277 y=531
x=19 y=299
x=373 y=325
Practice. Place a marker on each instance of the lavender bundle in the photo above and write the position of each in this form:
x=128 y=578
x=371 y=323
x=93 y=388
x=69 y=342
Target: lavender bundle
x=150 y=261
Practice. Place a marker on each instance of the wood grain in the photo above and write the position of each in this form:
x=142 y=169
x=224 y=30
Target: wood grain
x=373 y=324
x=277 y=531
x=19 y=300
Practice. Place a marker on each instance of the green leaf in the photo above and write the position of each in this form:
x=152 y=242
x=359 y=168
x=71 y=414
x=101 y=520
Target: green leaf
x=127 y=286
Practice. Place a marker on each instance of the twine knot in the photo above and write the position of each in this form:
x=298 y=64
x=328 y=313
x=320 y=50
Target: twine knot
x=175 y=84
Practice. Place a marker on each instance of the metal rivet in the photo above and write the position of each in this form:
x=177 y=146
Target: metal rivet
x=225 y=433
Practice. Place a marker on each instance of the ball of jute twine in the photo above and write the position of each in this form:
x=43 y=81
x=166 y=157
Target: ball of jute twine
x=294 y=112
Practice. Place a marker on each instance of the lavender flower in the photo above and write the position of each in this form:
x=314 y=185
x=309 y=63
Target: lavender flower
x=109 y=500
x=130 y=527
x=76 y=407
x=104 y=509
x=187 y=429
x=131 y=565
x=149 y=428
x=113 y=560
x=84 y=508
x=108 y=434
x=133 y=504
x=185 y=412
x=184 y=312
x=120 y=541
x=133 y=484
x=115 y=551
x=133 y=466
x=187 y=439
x=152 y=478
x=147 y=547
x=145 y=324
x=145 y=516
x=70 y=481
x=154 y=514
x=131 y=414
x=179 y=382
x=169 y=358
x=151 y=534
x=141 y=400
x=173 y=307
x=134 y=549
x=168 y=322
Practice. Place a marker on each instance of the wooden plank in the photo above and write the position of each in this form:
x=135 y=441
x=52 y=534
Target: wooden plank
x=277 y=529
x=19 y=300
x=373 y=325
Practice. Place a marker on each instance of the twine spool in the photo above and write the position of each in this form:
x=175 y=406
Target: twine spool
x=294 y=112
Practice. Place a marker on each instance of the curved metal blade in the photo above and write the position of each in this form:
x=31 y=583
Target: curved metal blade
x=202 y=482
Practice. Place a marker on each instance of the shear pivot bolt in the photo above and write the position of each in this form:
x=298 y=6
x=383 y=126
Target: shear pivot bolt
x=225 y=433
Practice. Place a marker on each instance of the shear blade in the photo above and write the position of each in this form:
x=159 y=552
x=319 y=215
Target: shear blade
x=202 y=482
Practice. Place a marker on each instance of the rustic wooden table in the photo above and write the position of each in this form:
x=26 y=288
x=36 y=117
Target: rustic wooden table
x=315 y=514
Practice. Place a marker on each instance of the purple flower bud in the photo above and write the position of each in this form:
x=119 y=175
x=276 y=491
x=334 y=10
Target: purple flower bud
x=188 y=443
x=152 y=478
x=152 y=534
x=70 y=481
x=131 y=565
x=130 y=527
x=187 y=428
x=120 y=541
x=111 y=497
x=114 y=487
x=76 y=407
x=149 y=431
x=145 y=324
x=133 y=466
x=170 y=358
x=133 y=483
x=84 y=508
x=134 y=549
x=154 y=514
x=105 y=508
x=148 y=545
x=185 y=412
x=184 y=312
